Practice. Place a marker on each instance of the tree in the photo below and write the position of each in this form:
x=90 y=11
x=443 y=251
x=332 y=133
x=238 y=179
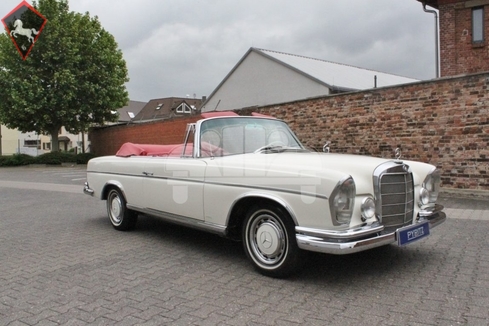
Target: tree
x=74 y=76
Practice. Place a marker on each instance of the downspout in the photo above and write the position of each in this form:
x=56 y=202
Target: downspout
x=436 y=38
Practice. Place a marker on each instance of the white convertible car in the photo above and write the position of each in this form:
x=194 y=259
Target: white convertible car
x=249 y=178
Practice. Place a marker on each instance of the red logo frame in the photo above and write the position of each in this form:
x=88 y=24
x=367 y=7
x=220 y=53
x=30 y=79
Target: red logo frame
x=24 y=25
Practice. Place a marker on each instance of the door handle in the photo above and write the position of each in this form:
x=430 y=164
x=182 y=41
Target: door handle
x=149 y=174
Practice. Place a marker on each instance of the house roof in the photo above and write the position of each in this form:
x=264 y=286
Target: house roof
x=335 y=75
x=162 y=108
x=437 y=3
x=431 y=3
x=130 y=111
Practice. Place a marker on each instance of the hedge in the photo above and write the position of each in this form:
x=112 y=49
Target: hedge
x=54 y=158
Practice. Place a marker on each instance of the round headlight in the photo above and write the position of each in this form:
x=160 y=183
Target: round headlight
x=342 y=201
x=430 y=188
x=424 y=196
x=368 y=208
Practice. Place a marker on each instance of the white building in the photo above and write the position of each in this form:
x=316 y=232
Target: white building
x=13 y=141
x=264 y=77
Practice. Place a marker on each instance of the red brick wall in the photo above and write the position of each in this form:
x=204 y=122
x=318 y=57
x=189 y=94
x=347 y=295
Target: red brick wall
x=458 y=55
x=108 y=140
x=443 y=122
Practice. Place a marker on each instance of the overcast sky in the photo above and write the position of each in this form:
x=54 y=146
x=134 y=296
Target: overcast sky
x=187 y=47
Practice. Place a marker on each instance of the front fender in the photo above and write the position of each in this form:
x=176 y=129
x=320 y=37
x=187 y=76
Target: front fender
x=261 y=195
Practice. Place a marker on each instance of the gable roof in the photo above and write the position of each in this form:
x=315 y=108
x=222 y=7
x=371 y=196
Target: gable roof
x=335 y=75
x=163 y=108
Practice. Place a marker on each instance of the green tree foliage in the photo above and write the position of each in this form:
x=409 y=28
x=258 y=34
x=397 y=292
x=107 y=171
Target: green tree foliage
x=74 y=75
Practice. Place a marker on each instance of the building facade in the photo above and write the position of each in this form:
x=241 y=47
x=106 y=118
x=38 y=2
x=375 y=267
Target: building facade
x=13 y=141
x=464 y=32
x=264 y=77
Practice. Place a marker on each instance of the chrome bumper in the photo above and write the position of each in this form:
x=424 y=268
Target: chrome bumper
x=87 y=190
x=354 y=240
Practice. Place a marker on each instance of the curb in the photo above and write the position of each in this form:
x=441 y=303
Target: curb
x=465 y=193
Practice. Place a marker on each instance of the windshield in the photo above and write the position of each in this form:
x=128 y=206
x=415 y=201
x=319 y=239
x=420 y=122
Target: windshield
x=240 y=135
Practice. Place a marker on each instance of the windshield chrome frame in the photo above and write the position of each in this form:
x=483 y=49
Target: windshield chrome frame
x=198 y=125
x=191 y=127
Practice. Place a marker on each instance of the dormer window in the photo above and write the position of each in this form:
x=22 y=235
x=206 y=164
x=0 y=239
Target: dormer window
x=184 y=108
x=478 y=25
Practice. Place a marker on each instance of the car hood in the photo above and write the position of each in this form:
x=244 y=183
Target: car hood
x=296 y=167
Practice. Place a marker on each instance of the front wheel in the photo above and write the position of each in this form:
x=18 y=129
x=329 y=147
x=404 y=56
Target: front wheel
x=122 y=218
x=269 y=241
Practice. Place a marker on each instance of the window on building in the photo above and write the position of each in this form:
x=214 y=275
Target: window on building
x=478 y=25
x=32 y=143
x=184 y=108
x=46 y=146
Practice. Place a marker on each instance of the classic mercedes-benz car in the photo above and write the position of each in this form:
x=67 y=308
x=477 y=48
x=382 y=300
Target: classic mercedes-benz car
x=249 y=178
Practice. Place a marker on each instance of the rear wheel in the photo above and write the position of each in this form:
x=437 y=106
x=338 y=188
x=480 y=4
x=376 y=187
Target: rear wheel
x=120 y=216
x=269 y=241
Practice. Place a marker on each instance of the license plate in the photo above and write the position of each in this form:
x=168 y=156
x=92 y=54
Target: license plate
x=412 y=233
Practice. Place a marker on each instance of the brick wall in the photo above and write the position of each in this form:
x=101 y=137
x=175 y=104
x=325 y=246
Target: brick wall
x=108 y=140
x=443 y=122
x=458 y=55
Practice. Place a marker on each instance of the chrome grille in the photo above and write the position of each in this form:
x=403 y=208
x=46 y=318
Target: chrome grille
x=394 y=194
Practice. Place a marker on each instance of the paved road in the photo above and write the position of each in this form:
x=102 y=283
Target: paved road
x=62 y=263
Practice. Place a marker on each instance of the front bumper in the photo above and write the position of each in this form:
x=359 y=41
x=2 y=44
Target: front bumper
x=356 y=240
x=87 y=190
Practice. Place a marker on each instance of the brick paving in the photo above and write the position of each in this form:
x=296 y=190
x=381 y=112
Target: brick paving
x=62 y=263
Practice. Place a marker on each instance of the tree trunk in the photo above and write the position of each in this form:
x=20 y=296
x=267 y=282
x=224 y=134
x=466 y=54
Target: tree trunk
x=54 y=141
x=83 y=142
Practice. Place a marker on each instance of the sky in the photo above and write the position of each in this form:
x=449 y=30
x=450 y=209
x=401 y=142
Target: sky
x=187 y=47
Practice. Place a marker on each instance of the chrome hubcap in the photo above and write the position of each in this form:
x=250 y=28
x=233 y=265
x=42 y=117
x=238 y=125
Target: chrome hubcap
x=115 y=209
x=267 y=239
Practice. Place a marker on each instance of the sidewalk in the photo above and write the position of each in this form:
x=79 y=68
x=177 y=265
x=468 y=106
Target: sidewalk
x=460 y=206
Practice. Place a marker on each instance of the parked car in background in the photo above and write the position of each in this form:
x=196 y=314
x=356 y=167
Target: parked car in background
x=249 y=178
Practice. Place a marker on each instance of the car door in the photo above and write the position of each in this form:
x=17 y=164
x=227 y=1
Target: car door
x=174 y=185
